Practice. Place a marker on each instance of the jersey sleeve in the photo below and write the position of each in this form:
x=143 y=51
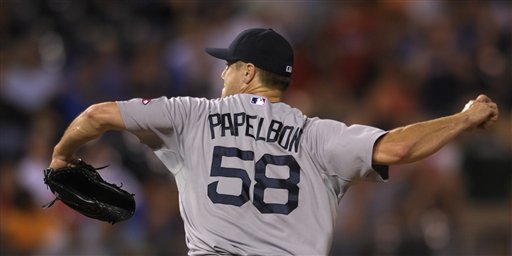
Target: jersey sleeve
x=346 y=151
x=158 y=121
x=145 y=115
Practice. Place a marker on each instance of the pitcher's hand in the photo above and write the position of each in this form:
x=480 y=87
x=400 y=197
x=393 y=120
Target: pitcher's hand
x=481 y=112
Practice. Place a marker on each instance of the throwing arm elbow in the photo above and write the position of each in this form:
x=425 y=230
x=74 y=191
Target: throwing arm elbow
x=104 y=116
x=389 y=152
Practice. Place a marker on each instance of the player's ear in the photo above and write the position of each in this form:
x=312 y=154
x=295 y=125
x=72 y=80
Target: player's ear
x=249 y=73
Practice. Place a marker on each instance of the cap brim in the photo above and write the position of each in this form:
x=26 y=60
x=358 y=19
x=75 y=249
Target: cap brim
x=219 y=53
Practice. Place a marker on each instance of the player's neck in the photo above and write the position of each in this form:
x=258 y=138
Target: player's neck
x=273 y=95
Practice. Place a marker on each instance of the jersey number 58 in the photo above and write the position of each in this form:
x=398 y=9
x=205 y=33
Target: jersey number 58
x=262 y=181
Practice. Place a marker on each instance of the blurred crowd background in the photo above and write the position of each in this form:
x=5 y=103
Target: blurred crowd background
x=382 y=63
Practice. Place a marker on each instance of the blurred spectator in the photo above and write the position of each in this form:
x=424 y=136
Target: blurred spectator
x=38 y=150
x=30 y=78
x=95 y=77
x=25 y=228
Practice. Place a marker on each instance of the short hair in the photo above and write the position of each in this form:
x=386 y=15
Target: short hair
x=274 y=81
x=269 y=79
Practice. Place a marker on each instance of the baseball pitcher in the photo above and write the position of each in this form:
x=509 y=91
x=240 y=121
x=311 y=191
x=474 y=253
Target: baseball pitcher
x=256 y=176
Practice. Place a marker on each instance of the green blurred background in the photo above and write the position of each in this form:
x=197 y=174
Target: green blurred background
x=380 y=63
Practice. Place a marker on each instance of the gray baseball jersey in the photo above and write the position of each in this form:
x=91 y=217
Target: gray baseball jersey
x=254 y=177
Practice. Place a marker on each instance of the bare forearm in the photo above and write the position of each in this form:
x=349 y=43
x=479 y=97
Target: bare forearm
x=83 y=129
x=419 y=140
x=89 y=125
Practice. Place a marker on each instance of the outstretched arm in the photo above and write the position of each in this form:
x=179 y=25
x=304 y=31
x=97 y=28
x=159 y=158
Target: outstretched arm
x=89 y=125
x=417 y=141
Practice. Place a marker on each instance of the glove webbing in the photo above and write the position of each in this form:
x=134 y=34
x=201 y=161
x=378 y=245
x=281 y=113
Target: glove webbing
x=46 y=171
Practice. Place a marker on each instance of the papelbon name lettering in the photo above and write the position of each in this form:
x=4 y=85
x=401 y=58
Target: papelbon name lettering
x=242 y=124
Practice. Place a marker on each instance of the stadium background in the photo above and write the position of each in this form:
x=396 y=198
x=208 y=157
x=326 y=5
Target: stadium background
x=381 y=63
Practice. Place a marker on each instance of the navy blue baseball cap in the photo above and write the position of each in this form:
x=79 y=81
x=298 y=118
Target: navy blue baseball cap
x=264 y=48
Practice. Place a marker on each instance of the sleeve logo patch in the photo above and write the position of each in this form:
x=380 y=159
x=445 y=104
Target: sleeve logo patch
x=146 y=101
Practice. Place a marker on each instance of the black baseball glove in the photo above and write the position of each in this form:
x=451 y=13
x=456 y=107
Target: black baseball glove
x=82 y=188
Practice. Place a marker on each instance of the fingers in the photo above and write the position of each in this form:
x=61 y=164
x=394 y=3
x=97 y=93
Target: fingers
x=492 y=117
x=58 y=163
x=483 y=98
x=74 y=162
x=495 y=112
x=483 y=111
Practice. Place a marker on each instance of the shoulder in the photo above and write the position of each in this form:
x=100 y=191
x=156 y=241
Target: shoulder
x=318 y=125
x=161 y=101
x=335 y=129
x=175 y=106
x=188 y=104
x=192 y=100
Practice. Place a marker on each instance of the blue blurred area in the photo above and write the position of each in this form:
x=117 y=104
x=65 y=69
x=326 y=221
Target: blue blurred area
x=382 y=63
